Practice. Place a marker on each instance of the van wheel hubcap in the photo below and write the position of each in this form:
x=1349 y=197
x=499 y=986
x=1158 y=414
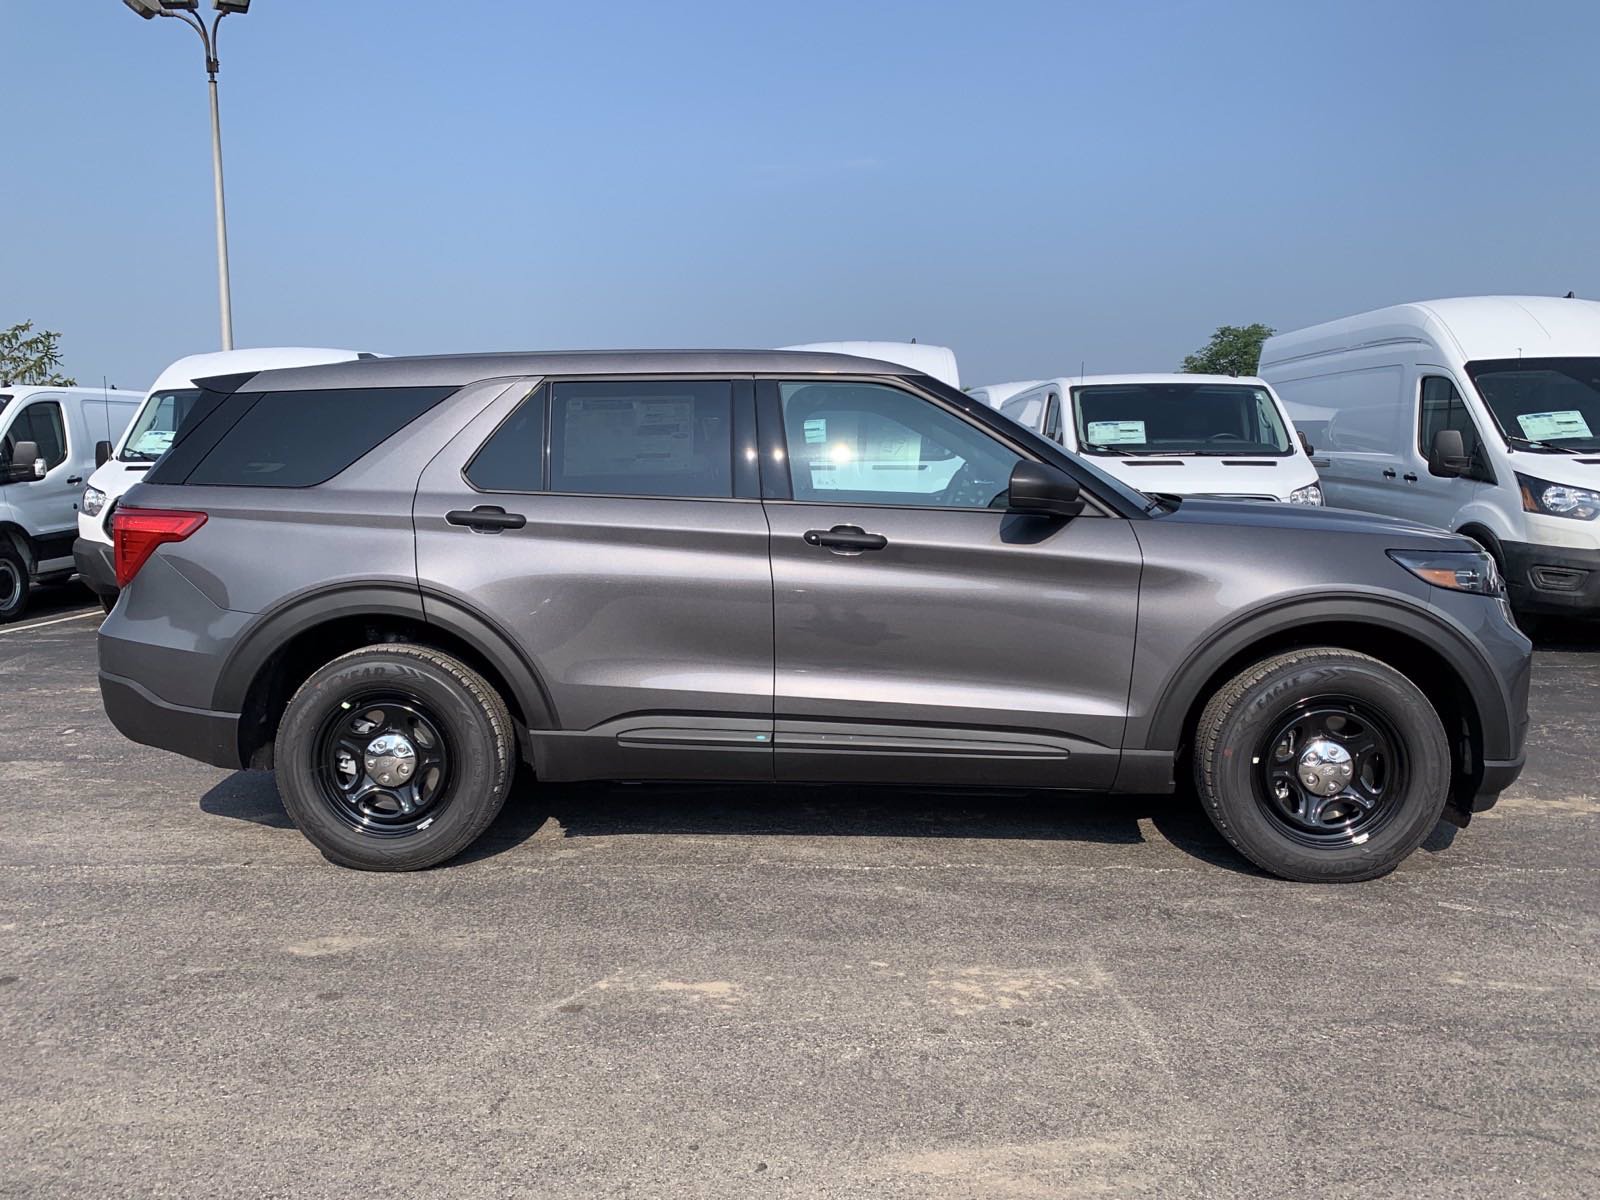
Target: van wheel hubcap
x=1330 y=772
x=383 y=764
x=10 y=584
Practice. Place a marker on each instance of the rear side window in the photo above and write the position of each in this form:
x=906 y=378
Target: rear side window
x=512 y=460
x=287 y=439
x=642 y=438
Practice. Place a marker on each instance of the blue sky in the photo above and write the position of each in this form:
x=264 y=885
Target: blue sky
x=1038 y=185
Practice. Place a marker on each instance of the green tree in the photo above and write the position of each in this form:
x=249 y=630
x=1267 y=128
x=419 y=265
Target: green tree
x=1232 y=350
x=28 y=357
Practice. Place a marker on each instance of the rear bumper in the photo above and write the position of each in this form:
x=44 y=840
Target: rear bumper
x=210 y=737
x=1552 y=580
x=95 y=566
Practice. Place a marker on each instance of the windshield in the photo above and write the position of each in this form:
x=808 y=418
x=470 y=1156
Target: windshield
x=1553 y=401
x=1178 y=418
x=157 y=424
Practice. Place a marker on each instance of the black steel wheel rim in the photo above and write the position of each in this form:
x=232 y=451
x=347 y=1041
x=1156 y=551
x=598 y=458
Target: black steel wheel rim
x=1330 y=772
x=10 y=585
x=383 y=764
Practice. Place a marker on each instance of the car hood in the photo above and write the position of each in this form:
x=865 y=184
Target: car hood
x=1303 y=518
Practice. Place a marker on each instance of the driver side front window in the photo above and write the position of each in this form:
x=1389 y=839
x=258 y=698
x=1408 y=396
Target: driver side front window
x=867 y=443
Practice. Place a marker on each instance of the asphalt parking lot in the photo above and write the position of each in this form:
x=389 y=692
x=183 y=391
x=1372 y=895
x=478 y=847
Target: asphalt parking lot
x=788 y=992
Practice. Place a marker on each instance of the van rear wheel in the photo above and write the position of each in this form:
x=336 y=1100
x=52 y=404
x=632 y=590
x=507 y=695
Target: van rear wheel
x=14 y=583
x=1322 y=765
x=394 y=757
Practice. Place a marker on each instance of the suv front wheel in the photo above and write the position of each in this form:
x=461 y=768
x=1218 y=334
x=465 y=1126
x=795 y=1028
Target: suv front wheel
x=394 y=757
x=1322 y=765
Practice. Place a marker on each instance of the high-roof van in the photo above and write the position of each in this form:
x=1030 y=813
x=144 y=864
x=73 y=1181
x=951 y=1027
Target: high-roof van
x=50 y=439
x=1479 y=414
x=1187 y=435
x=996 y=394
x=149 y=434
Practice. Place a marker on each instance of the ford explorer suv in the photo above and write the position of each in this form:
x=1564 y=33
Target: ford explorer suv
x=395 y=580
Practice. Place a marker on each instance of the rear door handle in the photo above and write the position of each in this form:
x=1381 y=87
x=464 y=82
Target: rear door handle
x=1388 y=472
x=486 y=518
x=846 y=537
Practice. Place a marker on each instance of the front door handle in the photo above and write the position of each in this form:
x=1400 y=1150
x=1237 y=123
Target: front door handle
x=74 y=479
x=1410 y=477
x=486 y=518
x=846 y=537
x=1388 y=472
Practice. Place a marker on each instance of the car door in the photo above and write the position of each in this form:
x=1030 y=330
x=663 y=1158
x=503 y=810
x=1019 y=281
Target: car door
x=923 y=634
x=609 y=529
x=1417 y=494
x=46 y=507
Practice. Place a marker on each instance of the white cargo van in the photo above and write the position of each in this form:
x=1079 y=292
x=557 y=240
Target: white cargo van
x=1479 y=414
x=151 y=432
x=996 y=394
x=1191 y=435
x=937 y=361
x=48 y=445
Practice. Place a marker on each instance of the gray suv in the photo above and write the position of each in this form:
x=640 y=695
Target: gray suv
x=396 y=580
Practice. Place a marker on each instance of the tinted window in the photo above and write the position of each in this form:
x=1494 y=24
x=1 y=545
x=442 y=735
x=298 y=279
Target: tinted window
x=865 y=443
x=642 y=438
x=1443 y=408
x=297 y=439
x=40 y=422
x=512 y=460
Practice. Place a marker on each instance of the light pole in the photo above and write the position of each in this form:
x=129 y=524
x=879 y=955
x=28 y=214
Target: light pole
x=184 y=10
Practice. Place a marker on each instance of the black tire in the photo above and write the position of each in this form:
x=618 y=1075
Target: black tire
x=15 y=583
x=1239 y=762
x=451 y=709
x=108 y=601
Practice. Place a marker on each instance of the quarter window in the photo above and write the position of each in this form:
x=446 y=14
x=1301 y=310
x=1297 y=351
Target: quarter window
x=642 y=438
x=1443 y=408
x=512 y=460
x=865 y=443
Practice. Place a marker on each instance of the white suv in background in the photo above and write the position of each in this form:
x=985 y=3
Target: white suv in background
x=152 y=431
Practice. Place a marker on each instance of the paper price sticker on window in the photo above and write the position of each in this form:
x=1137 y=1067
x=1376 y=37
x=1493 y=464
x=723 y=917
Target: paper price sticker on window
x=1112 y=433
x=1548 y=426
x=816 y=430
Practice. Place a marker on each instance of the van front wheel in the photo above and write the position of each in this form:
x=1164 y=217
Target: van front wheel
x=13 y=582
x=1322 y=765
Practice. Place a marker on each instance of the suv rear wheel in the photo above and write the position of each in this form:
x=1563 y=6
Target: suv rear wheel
x=1322 y=765
x=394 y=757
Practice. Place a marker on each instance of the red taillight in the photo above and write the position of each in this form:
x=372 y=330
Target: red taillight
x=136 y=532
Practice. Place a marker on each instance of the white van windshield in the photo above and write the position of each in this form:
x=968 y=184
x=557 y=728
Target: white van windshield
x=1550 y=402
x=1178 y=418
x=157 y=424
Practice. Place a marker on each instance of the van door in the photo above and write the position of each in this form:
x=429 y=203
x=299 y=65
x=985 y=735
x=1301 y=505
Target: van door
x=46 y=508
x=610 y=530
x=923 y=633
x=1416 y=493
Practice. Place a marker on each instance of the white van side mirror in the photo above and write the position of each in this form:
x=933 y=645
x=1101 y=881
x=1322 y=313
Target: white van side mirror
x=26 y=465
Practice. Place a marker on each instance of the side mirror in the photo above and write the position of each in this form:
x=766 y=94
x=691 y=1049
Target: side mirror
x=1305 y=443
x=1041 y=488
x=26 y=465
x=102 y=454
x=1448 y=457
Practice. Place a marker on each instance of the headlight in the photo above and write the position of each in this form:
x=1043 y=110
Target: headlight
x=93 y=501
x=1458 y=570
x=1310 y=494
x=1558 y=499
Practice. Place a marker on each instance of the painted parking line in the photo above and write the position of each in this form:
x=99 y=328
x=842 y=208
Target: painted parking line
x=10 y=629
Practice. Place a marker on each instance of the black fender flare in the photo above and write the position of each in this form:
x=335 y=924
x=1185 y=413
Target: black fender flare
x=280 y=625
x=1182 y=688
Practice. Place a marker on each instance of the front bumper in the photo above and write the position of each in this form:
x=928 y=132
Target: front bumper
x=211 y=737
x=96 y=566
x=1552 y=580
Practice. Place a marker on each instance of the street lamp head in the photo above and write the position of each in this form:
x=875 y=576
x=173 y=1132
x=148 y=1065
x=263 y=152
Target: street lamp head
x=148 y=9
x=231 y=6
x=178 y=5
